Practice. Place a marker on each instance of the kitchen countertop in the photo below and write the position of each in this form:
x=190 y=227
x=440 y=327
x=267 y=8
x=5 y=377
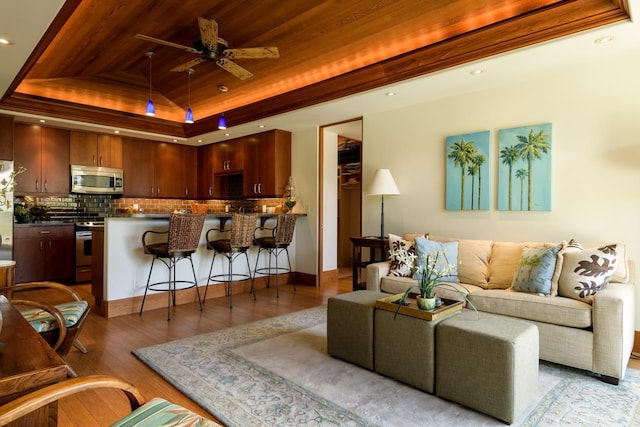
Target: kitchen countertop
x=167 y=215
x=44 y=224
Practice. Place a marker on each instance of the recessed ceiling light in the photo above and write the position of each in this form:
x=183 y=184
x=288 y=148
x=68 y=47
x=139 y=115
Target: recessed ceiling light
x=199 y=141
x=390 y=93
x=603 y=40
x=227 y=134
x=175 y=140
x=116 y=131
x=476 y=72
x=5 y=42
x=261 y=126
x=43 y=121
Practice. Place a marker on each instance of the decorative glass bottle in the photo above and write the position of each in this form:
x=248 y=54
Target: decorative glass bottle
x=289 y=196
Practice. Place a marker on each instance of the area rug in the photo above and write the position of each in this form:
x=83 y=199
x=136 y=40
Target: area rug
x=277 y=372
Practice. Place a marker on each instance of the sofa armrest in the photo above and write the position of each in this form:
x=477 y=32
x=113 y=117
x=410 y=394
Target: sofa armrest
x=375 y=272
x=613 y=329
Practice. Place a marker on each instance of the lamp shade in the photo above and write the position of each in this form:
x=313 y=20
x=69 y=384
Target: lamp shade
x=383 y=184
x=189 y=116
x=151 y=109
x=222 y=122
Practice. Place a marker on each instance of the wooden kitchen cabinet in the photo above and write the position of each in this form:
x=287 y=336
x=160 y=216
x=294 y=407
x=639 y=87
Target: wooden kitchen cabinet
x=229 y=157
x=159 y=169
x=44 y=152
x=93 y=149
x=190 y=171
x=139 y=167
x=44 y=253
x=267 y=163
x=6 y=137
x=206 y=162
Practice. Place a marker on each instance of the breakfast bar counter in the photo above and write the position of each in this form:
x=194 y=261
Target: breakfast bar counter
x=126 y=266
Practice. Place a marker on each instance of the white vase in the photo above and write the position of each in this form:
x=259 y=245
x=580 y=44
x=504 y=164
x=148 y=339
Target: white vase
x=426 y=303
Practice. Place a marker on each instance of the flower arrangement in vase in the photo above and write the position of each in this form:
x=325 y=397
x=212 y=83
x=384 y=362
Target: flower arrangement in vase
x=429 y=275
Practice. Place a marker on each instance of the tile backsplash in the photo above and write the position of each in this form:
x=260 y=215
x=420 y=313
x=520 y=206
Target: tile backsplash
x=88 y=206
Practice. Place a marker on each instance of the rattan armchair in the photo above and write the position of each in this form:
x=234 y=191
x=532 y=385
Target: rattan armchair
x=274 y=244
x=58 y=323
x=153 y=413
x=238 y=243
x=183 y=238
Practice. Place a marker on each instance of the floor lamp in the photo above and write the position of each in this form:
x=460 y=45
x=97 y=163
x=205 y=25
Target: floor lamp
x=383 y=184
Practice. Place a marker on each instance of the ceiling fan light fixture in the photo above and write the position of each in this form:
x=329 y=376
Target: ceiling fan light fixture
x=222 y=122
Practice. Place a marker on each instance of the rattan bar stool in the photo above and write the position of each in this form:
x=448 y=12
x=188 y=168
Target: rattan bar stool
x=183 y=237
x=238 y=243
x=275 y=244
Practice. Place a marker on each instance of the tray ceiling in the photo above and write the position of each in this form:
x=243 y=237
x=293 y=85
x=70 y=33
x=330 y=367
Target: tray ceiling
x=88 y=66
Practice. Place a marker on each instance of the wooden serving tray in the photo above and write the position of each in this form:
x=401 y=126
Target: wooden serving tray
x=390 y=304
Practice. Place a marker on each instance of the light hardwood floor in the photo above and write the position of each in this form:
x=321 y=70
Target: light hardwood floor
x=110 y=342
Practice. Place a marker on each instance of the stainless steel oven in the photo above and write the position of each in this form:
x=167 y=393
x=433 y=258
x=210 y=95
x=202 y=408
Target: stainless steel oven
x=84 y=257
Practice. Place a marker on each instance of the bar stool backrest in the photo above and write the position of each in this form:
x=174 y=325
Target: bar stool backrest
x=242 y=227
x=284 y=229
x=185 y=231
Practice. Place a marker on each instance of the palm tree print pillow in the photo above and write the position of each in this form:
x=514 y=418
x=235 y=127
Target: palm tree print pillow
x=586 y=272
x=535 y=270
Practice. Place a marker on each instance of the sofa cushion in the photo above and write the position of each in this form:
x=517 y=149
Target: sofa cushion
x=586 y=272
x=447 y=257
x=504 y=260
x=554 y=310
x=535 y=270
x=473 y=259
x=401 y=256
x=621 y=273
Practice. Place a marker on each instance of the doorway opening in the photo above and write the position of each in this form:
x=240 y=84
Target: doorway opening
x=340 y=197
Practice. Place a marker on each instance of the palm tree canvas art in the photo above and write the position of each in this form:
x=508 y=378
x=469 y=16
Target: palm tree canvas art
x=468 y=178
x=524 y=174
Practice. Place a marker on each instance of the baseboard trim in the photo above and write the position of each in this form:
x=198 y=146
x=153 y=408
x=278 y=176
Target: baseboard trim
x=158 y=300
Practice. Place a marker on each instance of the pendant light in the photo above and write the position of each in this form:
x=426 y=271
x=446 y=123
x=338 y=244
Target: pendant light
x=151 y=109
x=222 y=122
x=189 y=117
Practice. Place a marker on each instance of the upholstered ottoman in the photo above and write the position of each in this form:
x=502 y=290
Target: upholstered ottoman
x=487 y=362
x=350 y=326
x=404 y=348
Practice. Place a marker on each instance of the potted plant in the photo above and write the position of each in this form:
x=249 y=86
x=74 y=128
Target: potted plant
x=429 y=275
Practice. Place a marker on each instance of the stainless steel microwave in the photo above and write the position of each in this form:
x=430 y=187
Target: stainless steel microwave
x=96 y=180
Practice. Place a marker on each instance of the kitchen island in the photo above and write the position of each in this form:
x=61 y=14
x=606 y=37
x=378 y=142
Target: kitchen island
x=126 y=266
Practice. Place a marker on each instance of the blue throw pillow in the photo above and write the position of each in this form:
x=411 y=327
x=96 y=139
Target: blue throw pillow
x=535 y=270
x=450 y=251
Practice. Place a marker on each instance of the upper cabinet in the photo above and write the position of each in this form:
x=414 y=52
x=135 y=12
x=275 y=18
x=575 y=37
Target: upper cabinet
x=229 y=157
x=44 y=152
x=6 y=137
x=267 y=163
x=93 y=149
x=158 y=169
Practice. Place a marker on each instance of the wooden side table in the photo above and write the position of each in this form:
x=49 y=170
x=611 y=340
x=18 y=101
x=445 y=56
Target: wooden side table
x=377 y=252
x=27 y=363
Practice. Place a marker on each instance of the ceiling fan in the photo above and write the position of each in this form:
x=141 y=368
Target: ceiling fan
x=212 y=47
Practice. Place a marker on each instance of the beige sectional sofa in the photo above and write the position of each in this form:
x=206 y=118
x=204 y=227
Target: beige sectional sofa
x=594 y=333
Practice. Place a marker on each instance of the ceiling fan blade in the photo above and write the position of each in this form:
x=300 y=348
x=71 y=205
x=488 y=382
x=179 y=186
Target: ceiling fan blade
x=234 y=69
x=208 y=33
x=252 y=52
x=189 y=64
x=166 y=43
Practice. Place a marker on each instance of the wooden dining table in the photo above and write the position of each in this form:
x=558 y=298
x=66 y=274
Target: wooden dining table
x=27 y=363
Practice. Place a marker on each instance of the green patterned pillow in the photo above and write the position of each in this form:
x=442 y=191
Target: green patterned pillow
x=535 y=270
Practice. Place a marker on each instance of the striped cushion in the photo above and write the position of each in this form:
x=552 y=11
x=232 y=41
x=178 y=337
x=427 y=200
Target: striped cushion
x=159 y=412
x=42 y=321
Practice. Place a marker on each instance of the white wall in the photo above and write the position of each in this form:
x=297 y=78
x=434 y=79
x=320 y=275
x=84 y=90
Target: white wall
x=595 y=112
x=304 y=172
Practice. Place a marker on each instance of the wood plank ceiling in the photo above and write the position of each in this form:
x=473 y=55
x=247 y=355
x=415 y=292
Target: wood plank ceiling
x=89 y=67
